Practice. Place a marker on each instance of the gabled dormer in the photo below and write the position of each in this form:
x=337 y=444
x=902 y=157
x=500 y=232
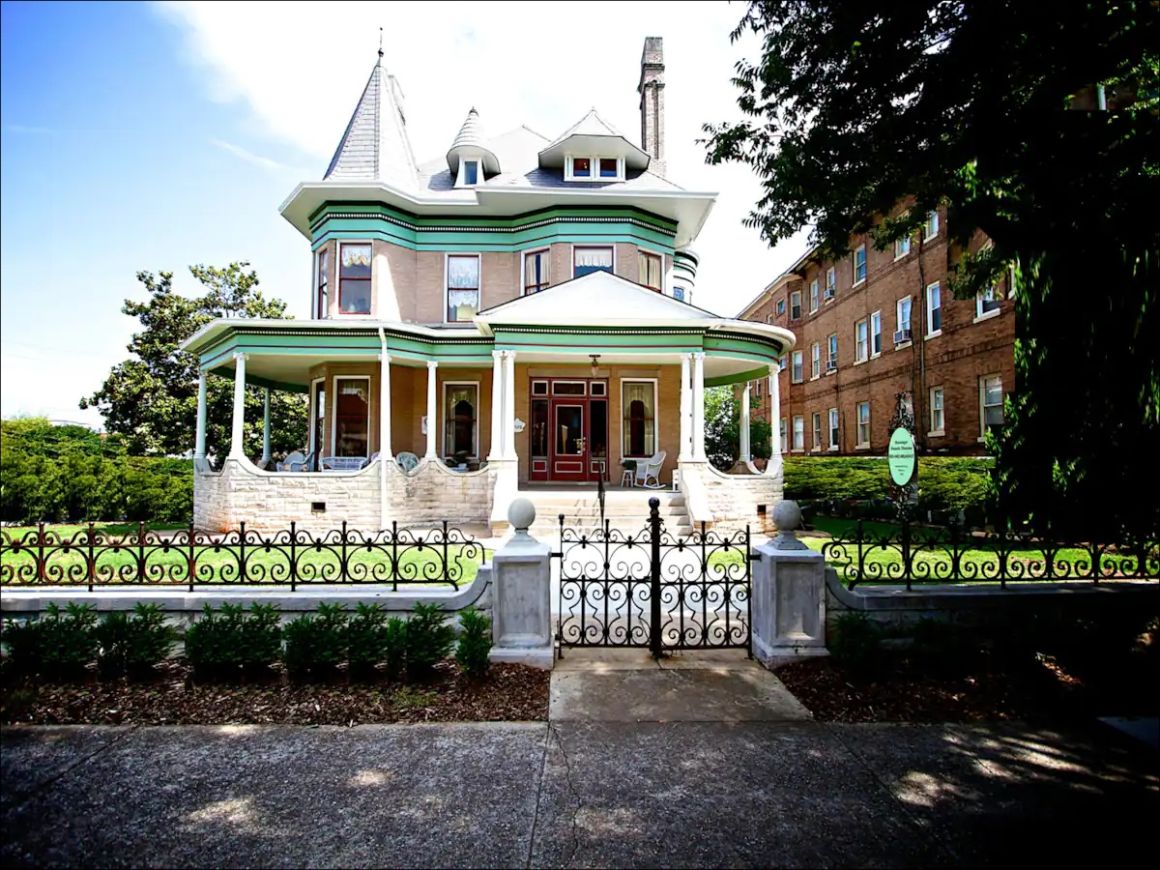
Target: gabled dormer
x=592 y=150
x=471 y=162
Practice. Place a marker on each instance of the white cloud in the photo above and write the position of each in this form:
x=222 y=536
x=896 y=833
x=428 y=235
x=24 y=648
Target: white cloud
x=299 y=69
x=250 y=157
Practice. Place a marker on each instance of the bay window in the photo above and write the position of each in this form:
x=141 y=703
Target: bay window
x=650 y=267
x=462 y=287
x=586 y=260
x=536 y=270
x=354 y=278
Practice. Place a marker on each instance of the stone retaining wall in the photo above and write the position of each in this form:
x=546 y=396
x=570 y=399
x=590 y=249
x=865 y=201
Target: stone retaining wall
x=729 y=502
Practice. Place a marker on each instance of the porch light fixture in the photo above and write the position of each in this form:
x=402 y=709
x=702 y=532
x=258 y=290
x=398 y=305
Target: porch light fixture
x=595 y=357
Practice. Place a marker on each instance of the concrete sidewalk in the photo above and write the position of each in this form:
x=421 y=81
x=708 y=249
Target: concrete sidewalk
x=753 y=793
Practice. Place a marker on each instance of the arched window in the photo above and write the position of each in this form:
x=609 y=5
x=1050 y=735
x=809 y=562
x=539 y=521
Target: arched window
x=460 y=401
x=639 y=401
x=464 y=426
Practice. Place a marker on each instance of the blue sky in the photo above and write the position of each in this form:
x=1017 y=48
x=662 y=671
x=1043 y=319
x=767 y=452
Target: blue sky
x=151 y=137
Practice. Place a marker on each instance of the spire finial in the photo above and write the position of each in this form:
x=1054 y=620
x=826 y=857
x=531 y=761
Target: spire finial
x=380 y=43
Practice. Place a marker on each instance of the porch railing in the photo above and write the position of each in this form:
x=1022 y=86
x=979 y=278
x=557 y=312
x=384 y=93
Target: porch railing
x=243 y=557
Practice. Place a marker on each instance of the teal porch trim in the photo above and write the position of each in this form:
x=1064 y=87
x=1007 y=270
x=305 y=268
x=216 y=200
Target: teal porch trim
x=252 y=381
x=742 y=377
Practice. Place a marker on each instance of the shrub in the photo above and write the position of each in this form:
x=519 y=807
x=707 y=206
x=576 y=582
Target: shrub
x=229 y=642
x=395 y=647
x=316 y=644
x=136 y=644
x=944 y=649
x=856 y=644
x=366 y=640
x=22 y=637
x=68 y=641
x=474 y=643
x=427 y=640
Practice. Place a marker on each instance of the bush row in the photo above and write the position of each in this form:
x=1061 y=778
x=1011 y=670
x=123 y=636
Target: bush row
x=233 y=642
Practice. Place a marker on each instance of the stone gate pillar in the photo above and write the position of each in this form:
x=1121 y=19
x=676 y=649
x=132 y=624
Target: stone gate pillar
x=522 y=594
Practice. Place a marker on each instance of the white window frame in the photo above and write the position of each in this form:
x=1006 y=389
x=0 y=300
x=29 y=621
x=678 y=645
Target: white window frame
x=524 y=266
x=854 y=264
x=832 y=356
x=461 y=178
x=798 y=428
x=931 y=332
x=783 y=434
x=656 y=418
x=862 y=344
x=446 y=281
x=798 y=295
x=834 y=424
x=797 y=370
x=939 y=430
x=815 y=296
x=779 y=306
x=319 y=275
x=334 y=379
x=595 y=176
x=983 y=399
x=831 y=291
x=875 y=320
x=315 y=448
x=589 y=247
x=815 y=361
x=901 y=247
x=861 y=444
x=930 y=228
x=338 y=277
x=443 y=419
x=898 y=321
x=980 y=314
x=816 y=424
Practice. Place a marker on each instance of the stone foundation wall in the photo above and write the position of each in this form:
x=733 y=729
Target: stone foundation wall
x=729 y=502
x=433 y=493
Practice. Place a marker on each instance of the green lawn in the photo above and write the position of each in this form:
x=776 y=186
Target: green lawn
x=412 y=564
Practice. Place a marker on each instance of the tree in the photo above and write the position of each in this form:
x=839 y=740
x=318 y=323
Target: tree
x=992 y=108
x=151 y=398
x=723 y=428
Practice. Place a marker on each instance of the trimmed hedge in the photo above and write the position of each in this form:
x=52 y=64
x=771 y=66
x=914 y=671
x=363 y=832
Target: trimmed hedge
x=945 y=484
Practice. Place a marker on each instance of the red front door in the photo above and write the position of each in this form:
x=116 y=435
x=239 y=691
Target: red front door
x=569 y=429
x=569 y=443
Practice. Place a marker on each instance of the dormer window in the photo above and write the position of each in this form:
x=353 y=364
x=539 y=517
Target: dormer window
x=594 y=169
x=470 y=172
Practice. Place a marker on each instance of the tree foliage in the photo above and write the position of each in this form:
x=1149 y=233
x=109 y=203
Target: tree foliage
x=151 y=398
x=723 y=428
x=991 y=108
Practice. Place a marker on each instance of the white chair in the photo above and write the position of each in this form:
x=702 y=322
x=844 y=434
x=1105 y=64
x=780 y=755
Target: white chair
x=650 y=469
x=407 y=461
x=296 y=461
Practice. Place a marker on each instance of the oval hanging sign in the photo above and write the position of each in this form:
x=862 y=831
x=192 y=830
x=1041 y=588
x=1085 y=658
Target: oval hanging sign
x=901 y=456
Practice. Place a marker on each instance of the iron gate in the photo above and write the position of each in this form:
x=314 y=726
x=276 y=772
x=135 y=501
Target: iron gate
x=652 y=589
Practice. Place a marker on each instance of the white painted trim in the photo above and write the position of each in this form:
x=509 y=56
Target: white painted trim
x=858 y=359
x=524 y=267
x=447 y=255
x=800 y=363
x=311 y=446
x=793 y=433
x=801 y=310
x=656 y=417
x=572 y=255
x=442 y=410
x=930 y=331
x=926 y=225
x=815 y=294
x=314 y=283
x=833 y=416
x=994 y=312
x=340 y=243
x=943 y=410
x=906 y=253
x=595 y=172
x=334 y=407
x=858 y=282
x=870 y=334
x=858 y=443
x=982 y=382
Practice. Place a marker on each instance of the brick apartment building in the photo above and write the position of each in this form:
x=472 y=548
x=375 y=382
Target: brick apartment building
x=873 y=324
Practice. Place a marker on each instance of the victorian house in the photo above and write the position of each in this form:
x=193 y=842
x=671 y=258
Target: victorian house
x=516 y=314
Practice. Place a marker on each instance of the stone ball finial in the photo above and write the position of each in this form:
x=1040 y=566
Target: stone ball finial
x=787 y=516
x=521 y=514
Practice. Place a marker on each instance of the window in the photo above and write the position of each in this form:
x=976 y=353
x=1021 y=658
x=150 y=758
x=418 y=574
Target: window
x=986 y=304
x=460 y=419
x=593 y=169
x=581 y=167
x=780 y=307
x=650 y=269
x=813 y=296
x=832 y=352
x=817 y=421
x=799 y=433
x=863 y=424
x=901 y=247
x=933 y=310
x=639 y=430
x=990 y=403
x=679 y=293
x=781 y=436
x=352 y=416
x=936 y=411
x=795 y=374
x=782 y=362
x=795 y=305
x=931 y=228
x=859 y=264
x=609 y=167
x=585 y=260
x=322 y=285
x=860 y=342
x=833 y=428
x=318 y=429
x=536 y=270
x=815 y=360
x=875 y=333
x=354 y=279
x=902 y=312
x=470 y=172
x=831 y=282
x=462 y=287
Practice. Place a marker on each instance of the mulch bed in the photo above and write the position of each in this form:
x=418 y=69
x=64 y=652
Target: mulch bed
x=509 y=692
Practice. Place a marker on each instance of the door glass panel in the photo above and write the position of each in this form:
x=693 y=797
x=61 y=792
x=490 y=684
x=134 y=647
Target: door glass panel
x=599 y=434
x=568 y=388
x=569 y=430
x=352 y=422
x=539 y=436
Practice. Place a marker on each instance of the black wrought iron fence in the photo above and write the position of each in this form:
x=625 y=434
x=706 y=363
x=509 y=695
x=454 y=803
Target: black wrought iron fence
x=241 y=557
x=910 y=554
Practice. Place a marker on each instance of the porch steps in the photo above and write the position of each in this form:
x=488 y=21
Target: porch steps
x=626 y=510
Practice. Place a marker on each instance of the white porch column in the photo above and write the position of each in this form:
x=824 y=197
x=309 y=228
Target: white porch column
x=746 y=453
x=237 y=431
x=686 y=409
x=432 y=410
x=509 y=409
x=699 y=407
x=265 y=427
x=774 y=465
x=199 y=444
x=385 y=454
x=496 y=451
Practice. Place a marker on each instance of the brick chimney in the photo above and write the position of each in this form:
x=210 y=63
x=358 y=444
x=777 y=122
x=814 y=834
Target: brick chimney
x=652 y=102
